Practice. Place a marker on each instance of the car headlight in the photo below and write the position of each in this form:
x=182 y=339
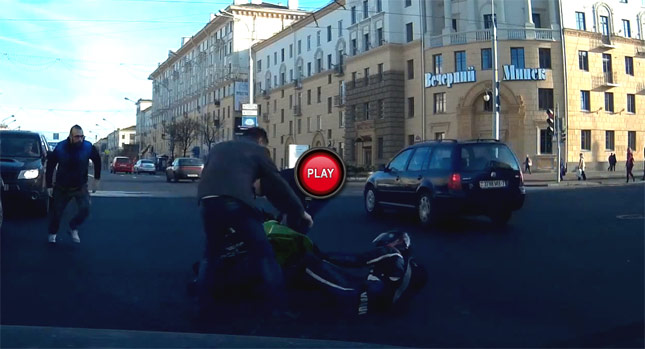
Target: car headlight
x=28 y=174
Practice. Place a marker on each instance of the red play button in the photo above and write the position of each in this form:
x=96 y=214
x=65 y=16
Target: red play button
x=320 y=173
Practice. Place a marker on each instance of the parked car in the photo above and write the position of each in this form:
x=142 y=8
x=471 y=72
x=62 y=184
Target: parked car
x=184 y=168
x=145 y=165
x=121 y=164
x=23 y=162
x=448 y=177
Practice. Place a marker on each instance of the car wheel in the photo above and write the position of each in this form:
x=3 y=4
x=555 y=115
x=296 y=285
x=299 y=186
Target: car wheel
x=371 y=205
x=500 y=218
x=425 y=209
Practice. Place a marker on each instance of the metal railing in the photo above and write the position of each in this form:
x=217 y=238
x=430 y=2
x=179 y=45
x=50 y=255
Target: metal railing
x=486 y=35
x=609 y=79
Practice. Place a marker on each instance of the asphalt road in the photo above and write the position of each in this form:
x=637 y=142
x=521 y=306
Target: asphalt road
x=567 y=271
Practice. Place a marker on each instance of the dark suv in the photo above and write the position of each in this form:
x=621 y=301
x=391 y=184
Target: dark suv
x=448 y=177
x=23 y=161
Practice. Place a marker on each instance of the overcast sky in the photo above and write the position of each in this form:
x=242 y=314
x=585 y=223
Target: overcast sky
x=65 y=62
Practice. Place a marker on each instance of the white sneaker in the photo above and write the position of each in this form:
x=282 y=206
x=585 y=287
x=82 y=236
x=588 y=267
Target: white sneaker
x=52 y=238
x=74 y=234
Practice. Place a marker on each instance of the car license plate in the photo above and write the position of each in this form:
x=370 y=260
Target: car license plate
x=192 y=175
x=492 y=184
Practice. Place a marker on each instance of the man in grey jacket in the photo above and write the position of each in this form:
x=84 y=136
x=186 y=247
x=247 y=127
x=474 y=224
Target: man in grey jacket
x=227 y=197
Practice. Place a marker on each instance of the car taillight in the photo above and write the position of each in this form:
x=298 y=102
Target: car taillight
x=455 y=182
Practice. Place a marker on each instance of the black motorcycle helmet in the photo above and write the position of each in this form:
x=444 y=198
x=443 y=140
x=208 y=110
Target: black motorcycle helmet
x=394 y=238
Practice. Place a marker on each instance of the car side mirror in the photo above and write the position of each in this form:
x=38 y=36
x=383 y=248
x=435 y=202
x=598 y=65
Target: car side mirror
x=381 y=167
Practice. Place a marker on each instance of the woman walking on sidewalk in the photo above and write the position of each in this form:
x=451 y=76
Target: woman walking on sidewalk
x=629 y=165
x=581 y=168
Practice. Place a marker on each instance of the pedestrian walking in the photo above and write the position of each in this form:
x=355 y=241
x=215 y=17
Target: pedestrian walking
x=72 y=156
x=226 y=197
x=612 y=162
x=581 y=168
x=527 y=164
x=629 y=165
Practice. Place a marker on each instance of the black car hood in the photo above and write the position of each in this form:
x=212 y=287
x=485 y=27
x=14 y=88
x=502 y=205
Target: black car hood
x=20 y=163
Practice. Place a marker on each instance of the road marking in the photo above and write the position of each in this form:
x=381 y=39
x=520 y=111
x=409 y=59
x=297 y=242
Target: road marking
x=630 y=216
x=139 y=194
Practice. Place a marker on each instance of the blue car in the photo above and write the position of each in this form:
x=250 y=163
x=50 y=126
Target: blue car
x=447 y=177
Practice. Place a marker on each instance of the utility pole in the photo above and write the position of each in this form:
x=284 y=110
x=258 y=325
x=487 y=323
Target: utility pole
x=558 y=131
x=495 y=74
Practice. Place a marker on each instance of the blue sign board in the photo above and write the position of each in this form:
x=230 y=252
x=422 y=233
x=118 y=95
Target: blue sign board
x=249 y=121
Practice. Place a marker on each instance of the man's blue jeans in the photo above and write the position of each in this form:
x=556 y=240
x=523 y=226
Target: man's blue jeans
x=259 y=274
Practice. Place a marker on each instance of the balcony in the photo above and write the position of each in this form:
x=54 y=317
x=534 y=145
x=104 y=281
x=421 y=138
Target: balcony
x=605 y=80
x=338 y=70
x=467 y=37
x=297 y=110
x=339 y=100
x=640 y=51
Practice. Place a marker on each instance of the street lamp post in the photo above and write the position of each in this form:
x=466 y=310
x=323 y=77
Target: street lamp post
x=251 y=34
x=495 y=75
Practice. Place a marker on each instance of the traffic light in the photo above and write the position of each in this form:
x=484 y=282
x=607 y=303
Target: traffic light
x=550 y=121
x=563 y=135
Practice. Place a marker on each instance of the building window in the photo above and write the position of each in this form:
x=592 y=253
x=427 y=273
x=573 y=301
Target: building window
x=341 y=119
x=408 y=32
x=631 y=140
x=517 y=57
x=580 y=21
x=536 y=20
x=379 y=107
x=487 y=61
x=319 y=94
x=460 y=61
x=340 y=28
x=454 y=24
x=290 y=50
x=379 y=6
x=609 y=140
x=631 y=104
x=366 y=41
x=299 y=46
x=308 y=97
x=606 y=64
x=379 y=148
x=353 y=14
x=545 y=58
x=379 y=36
x=629 y=66
x=308 y=68
x=583 y=60
x=308 y=43
x=329 y=62
x=410 y=69
x=439 y=103
x=366 y=74
x=299 y=125
x=439 y=136
x=604 y=25
x=585 y=139
x=380 y=72
x=437 y=64
x=354 y=47
x=627 y=30
x=585 y=101
x=545 y=98
x=282 y=116
x=329 y=105
x=328 y=33
x=546 y=142
x=259 y=64
x=353 y=79
x=410 y=107
x=408 y=3
x=365 y=9
x=318 y=38
x=488 y=21
x=609 y=102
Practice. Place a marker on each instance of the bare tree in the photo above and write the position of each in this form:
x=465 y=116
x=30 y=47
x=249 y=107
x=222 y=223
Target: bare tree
x=170 y=135
x=209 y=130
x=187 y=131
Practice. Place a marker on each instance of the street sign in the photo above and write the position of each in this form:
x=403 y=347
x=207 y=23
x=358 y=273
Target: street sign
x=249 y=112
x=249 y=107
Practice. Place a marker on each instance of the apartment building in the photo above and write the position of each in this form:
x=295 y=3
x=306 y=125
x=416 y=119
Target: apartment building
x=207 y=77
x=605 y=67
x=143 y=126
x=300 y=83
